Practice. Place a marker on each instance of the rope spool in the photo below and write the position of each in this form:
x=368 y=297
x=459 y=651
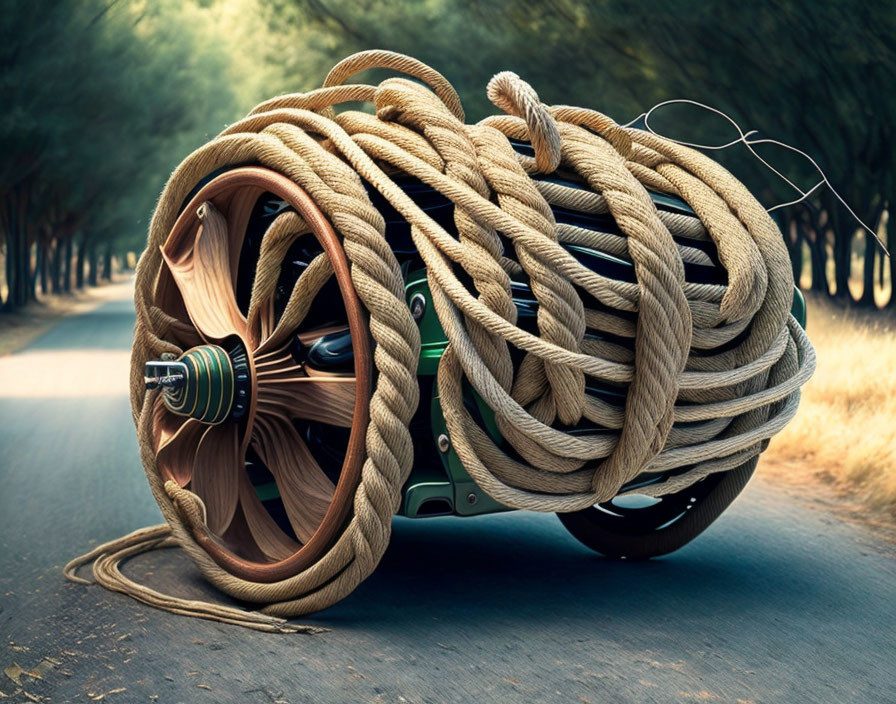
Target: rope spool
x=709 y=370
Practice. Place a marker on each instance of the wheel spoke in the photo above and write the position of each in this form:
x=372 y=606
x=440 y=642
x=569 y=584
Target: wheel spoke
x=272 y=541
x=238 y=536
x=217 y=467
x=167 y=295
x=175 y=455
x=286 y=388
x=304 y=488
x=300 y=300
x=202 y=269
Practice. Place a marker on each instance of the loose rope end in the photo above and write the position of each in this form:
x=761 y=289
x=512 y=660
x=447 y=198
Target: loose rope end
x=106 y=562
x=514 y=96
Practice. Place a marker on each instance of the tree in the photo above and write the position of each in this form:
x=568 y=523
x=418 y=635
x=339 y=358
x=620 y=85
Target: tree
x=101 y=99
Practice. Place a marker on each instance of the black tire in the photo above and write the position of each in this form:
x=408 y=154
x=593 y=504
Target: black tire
x=642 y=533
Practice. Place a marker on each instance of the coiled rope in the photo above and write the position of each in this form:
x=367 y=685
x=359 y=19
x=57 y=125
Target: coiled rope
x=689 y=406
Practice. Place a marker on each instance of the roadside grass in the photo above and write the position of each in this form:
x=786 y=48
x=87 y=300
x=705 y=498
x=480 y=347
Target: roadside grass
x=844 y=433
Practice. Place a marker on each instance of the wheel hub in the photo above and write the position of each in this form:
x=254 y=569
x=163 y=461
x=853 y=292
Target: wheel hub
x=206 y=382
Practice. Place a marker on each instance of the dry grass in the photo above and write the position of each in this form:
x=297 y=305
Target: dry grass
x=845 y=431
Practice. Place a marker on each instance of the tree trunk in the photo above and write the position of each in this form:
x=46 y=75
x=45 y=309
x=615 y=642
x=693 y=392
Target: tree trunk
x=38 y=258
x=67 y=265
x=22 y=265
x=17 y=249
x=107 y=262
x=868 y=265
x=56 y=268
x=817 y=255
x=842 y=259
x=28 y=274
x=6 y=261
x=11 y=257
x=81 y=263
x=794 y=247
x=891 y=245
x=43 y=265
x=870 y=258
x=9 y=304
x=93 y=258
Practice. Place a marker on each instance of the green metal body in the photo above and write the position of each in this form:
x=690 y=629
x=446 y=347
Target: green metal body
x=434 y=490
x=447 y=489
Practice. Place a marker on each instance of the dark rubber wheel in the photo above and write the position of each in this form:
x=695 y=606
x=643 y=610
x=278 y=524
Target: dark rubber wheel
x=633 y=532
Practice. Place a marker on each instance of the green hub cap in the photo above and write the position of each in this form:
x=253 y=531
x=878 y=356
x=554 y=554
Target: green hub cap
x=202 y=383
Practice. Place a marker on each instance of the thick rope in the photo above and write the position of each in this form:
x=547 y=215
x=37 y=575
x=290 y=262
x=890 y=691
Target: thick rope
x=691 y=408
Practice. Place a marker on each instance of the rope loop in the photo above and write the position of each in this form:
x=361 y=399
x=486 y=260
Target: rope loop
x=381 y=58
x=513 y=95
x=599 y=123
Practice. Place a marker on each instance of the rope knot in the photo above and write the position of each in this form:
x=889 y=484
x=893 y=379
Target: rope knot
x=514 y=96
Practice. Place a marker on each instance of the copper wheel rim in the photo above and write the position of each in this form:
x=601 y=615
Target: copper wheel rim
x=234 y=194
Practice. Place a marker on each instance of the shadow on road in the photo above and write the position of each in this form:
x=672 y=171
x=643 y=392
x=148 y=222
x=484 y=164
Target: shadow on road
x=521 y=569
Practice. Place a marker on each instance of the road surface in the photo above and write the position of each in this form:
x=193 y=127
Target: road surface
x=777 y=602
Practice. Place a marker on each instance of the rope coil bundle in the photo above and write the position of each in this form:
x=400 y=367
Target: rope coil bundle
x=714 y=372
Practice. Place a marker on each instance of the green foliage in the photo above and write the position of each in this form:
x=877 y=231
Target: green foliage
x=100 y=99
x=99 y=95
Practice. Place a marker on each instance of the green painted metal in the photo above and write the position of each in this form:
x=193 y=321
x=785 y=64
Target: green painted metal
x=446 y=489
x=468 y=498
x=432 y=338
x=207 y=392
x=427 y=492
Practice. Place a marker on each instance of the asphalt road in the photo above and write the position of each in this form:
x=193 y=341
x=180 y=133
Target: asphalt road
x=777 y=602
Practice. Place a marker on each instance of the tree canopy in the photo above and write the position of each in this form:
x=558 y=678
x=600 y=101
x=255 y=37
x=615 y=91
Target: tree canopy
x=100 y=101
x=101 y=98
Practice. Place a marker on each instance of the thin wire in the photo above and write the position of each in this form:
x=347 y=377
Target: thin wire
x=744 y=138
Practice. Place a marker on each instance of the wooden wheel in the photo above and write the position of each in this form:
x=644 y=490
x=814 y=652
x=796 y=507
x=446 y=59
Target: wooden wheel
x=264 y=416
